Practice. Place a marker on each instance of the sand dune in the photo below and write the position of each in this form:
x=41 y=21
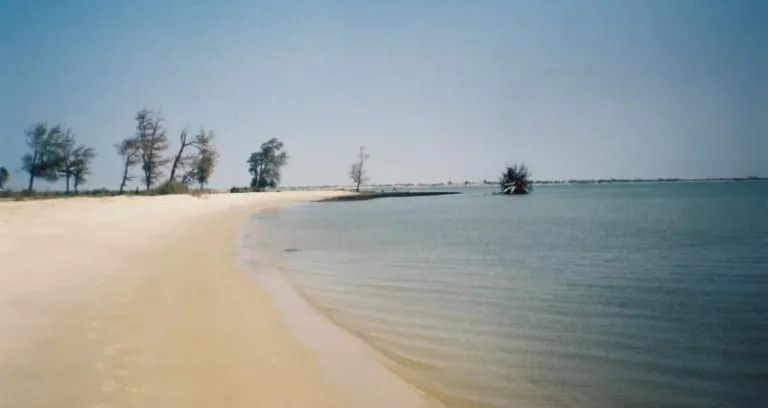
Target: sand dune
x=138 y=302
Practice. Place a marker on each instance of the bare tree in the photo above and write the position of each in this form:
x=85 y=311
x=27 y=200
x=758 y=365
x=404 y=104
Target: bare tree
x=358 y=172
x=128 y=149
x=188 y=163
x=152 y=143
x=180 y=160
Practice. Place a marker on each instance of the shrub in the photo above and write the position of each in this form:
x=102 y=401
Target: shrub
x=171 y=187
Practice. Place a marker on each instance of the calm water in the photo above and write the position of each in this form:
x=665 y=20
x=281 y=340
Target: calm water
x=651 y=295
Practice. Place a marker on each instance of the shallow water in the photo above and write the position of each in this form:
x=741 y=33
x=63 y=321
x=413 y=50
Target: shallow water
x=632 y=295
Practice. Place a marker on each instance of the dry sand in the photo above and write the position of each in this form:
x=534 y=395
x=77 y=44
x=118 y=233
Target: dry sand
x=139 y=302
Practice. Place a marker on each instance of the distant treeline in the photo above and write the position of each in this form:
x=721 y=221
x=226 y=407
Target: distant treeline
x=54 y=153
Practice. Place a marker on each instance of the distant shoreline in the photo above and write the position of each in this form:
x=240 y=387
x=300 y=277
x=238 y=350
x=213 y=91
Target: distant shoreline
x=22 y=195
x=378 y=187
x=573 y=181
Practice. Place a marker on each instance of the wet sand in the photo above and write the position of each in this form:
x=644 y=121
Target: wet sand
x=140 y=302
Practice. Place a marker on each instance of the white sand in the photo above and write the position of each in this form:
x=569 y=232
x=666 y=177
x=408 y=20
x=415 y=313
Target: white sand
x=139 y=302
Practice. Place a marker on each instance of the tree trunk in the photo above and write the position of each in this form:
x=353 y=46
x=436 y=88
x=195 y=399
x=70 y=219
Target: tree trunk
x=260 y=181
x=357 y=189
x=125 y=178
x=148 y=169
x=67 y=178
x=32 y=171
x=176 y=162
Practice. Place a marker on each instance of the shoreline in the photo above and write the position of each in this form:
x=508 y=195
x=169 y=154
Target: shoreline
x=366 y=351
x=376 y=382
x=140 y=302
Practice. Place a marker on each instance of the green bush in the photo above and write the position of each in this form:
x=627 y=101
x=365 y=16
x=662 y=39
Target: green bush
x=240 y=190
x=171 y=187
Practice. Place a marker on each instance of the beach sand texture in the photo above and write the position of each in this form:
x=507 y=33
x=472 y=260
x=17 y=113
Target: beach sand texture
x=139 y=302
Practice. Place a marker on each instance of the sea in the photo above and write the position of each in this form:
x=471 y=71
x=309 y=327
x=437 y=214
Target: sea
x=608 y=295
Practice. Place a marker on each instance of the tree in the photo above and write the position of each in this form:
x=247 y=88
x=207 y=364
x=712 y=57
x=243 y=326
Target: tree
x=204 y=163
x=152 y=143
x=3 y=176
x=177 y=160
x=188 y=163
x=74 y=159
x=128 y=149
x=81 y=165
x=265 y=164
x=358 y=172
x=44 y=160
x=516 y=180
x=66 y=153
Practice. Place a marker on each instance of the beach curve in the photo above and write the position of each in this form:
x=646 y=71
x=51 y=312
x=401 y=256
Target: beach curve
x=139 y=301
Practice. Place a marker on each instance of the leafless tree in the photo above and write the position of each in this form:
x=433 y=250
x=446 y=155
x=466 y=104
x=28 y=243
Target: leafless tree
x=190 y=163
x=128 y=149
x=358 y=172
x=152 y=143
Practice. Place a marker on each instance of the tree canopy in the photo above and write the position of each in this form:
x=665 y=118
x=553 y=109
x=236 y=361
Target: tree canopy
x=81 y=165
x=75 y=160
x=265 y=164
x=204 y=162
x=55 y=153
x=44 y=158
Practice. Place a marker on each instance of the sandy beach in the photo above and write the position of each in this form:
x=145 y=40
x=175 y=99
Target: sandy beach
x=139 y=302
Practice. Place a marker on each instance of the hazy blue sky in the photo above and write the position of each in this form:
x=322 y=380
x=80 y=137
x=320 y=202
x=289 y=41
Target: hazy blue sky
x=438 y=90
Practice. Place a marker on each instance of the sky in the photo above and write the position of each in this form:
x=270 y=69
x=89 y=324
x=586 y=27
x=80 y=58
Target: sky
x=436 y=90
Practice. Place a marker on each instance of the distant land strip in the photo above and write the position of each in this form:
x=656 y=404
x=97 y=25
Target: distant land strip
x=388 y=194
